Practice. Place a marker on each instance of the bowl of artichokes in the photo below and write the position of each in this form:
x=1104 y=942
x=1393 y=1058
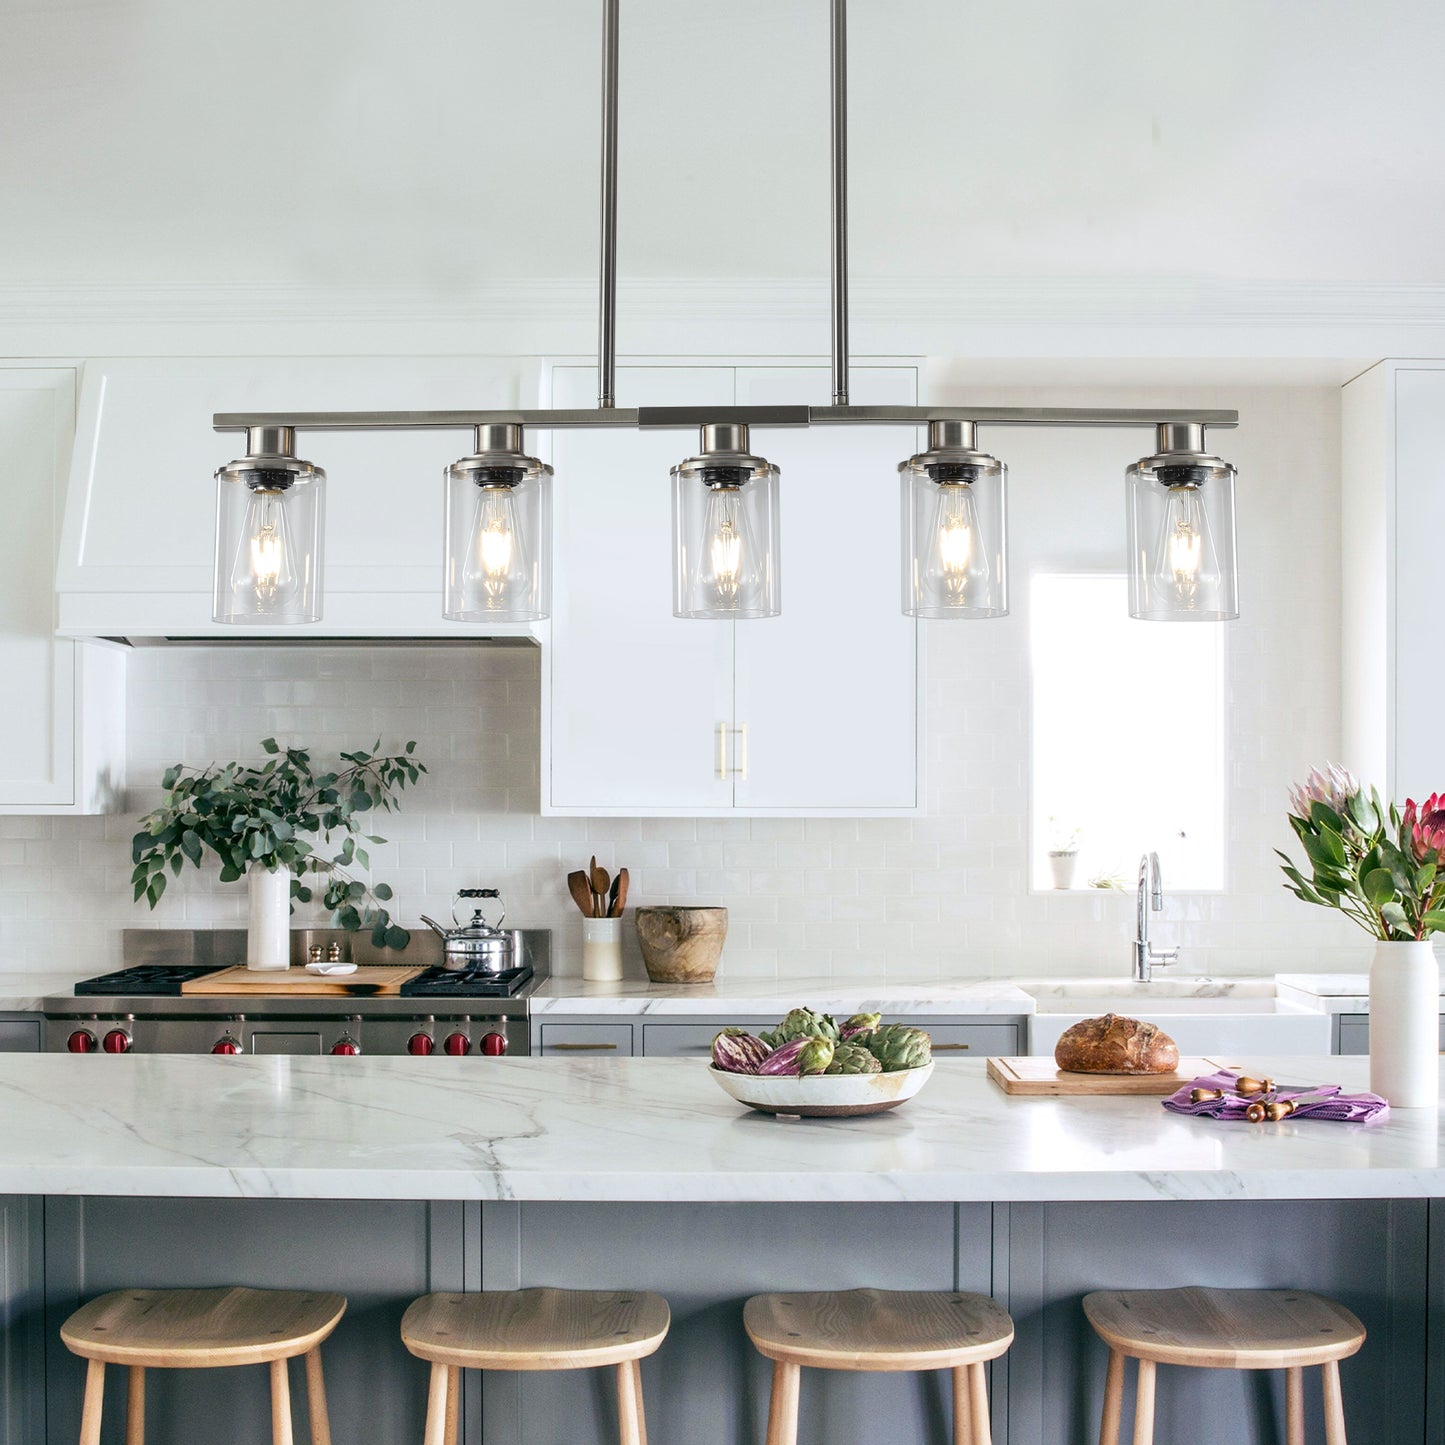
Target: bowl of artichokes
x=814 y=1067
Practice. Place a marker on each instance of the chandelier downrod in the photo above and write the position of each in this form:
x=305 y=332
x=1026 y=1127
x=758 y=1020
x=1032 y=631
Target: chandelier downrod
x=607 y=288
x=838 y=37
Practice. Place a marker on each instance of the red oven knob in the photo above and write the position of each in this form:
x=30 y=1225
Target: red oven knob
x=457 y=1044
x=494 y=1045
x=82 y=1041
x=117 y=1041
x=421 y=1045
x=346 y=1046
x=227 y=1045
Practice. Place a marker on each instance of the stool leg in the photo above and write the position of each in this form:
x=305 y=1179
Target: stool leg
x=962 y=1407
x=280 y=1405
x=1294 y=1405
x=982 y=1429
x=135 y=1407
x=454 y=1404
x=1113 y=1400
x=783 y=1411
x=1334 y=1404
x=316 y=1399
x=436 y=1406
x=1144 y=1404
x=631 y=1426
x=94 y=1399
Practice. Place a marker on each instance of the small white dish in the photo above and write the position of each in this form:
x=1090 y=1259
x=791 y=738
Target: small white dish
x=331 y=970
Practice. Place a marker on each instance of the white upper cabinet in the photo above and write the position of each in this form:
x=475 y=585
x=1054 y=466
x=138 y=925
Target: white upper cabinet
x=140 y=515
x=1393 y=518
x=62 y=703
x=812 y=712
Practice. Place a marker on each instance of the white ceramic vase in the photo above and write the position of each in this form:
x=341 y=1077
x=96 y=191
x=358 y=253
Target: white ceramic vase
x=268 y=928
x=1405 y=1025
x=1062 y=865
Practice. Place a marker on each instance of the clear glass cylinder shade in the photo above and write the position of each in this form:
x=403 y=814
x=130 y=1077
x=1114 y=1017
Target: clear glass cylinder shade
x=269 y=523
x=725 y=546
x=1181 y=545
x=498 y=546
x=955 y=543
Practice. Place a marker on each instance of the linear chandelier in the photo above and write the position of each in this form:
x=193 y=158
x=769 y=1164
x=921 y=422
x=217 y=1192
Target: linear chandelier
x=270 y=512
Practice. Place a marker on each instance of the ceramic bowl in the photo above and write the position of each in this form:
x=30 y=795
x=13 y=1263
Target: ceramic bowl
x=823 y=1096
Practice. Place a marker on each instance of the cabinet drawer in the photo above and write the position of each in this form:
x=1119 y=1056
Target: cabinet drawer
x=587 y=1040
x=961 y=1041
x=1353 y=1034
x=680 y=1041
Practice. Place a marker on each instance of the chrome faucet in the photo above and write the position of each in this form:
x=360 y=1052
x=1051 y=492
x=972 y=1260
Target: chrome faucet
x=1151 y=895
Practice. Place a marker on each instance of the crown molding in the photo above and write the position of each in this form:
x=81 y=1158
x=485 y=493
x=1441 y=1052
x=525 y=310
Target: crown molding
x=1007 y=301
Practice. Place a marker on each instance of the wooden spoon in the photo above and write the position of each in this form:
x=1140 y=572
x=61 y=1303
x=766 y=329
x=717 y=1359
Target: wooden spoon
x=582 y=895
x=600 y=883
x=619 y=894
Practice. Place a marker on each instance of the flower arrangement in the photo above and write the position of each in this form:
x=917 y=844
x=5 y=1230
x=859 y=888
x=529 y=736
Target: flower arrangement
x=1377 y=864
x=262 y=817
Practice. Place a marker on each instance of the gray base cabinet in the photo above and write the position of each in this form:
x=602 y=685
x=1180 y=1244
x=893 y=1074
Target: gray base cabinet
x=560 y=1036
x=20 y=1033
x=1352 y=1033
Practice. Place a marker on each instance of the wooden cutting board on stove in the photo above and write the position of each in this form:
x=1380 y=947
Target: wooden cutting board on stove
x=369 y=981
x=1042 y=1078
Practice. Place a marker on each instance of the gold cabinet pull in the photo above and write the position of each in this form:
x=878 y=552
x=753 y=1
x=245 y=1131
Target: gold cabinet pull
x=722 y=752
x=743 y=752
x=578 y=1048
x=951 y=1048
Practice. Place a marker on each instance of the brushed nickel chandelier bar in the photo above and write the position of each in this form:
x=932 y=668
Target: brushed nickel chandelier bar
x=725 y=499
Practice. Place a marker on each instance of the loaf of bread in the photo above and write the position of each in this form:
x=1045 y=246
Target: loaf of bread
x=1115 y=1045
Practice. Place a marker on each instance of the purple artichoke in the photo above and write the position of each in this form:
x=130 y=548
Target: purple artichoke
x=799 y=1056
x=736 y=1051
x=858 y=1027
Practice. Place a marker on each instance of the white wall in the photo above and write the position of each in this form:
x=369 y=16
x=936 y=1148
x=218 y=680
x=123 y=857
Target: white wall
x=946 y=894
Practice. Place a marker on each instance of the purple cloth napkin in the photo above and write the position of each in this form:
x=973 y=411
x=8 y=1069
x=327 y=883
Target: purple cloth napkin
x=1347 y=1108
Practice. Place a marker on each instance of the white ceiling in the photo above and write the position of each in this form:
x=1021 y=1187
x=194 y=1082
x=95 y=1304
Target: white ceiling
x=440 y=144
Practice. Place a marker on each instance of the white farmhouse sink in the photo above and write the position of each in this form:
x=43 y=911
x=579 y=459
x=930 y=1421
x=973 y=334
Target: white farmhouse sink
x=1205 y=1017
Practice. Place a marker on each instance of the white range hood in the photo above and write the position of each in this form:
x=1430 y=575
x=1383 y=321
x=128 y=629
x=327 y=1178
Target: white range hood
x=136 y=546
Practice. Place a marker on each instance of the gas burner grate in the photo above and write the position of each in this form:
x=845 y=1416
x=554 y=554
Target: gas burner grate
x=147 y=980
x=467 y=983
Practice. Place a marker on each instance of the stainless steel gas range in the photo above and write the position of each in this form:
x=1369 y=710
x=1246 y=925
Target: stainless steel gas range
x=141 y=1009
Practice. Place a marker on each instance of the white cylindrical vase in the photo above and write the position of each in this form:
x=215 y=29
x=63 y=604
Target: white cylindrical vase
x=602 y=950
x=1061 y=866
x=1405 y=1024
x=268 y=928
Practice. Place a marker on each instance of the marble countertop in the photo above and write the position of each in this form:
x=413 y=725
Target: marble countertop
x=774 y=997
x=1334 y=993
x=650 y=1129
x=27 y=992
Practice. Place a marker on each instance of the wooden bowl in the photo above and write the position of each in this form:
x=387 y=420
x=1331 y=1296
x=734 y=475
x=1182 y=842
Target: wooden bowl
x=681 y=945
x=823 y=1096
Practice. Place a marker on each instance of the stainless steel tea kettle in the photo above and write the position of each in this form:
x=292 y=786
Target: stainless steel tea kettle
x=480 y=945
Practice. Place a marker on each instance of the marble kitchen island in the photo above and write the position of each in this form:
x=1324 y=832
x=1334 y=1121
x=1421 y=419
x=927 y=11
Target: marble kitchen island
x=388 y=1177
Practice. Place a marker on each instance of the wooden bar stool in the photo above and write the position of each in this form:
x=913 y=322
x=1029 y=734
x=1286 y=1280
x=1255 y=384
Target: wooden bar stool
x=874 y=1329
x=534 y=1329
x=199 y=1329
x=1223 y=1329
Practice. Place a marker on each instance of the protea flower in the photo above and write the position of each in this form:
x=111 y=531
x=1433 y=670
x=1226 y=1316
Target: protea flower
x=1331 y=784
x=1424 y=823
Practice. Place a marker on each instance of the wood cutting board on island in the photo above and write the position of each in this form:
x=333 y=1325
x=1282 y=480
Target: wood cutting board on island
x=1042 y=1078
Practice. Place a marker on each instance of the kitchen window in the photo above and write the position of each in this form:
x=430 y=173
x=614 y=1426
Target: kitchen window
x=1128 y=739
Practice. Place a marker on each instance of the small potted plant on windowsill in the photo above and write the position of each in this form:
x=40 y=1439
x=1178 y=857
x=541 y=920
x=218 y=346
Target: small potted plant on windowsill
x=1063 y=849
x=268 y=825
